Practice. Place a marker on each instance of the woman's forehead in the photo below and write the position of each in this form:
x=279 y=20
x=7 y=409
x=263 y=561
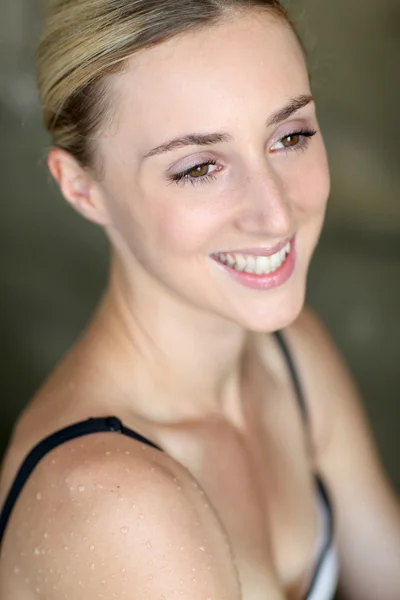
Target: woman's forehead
x=212 y=74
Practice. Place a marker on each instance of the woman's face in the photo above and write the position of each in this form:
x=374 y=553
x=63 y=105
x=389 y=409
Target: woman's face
x=248 y=178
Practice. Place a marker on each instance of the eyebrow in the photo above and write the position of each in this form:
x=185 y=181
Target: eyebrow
x=197 y=139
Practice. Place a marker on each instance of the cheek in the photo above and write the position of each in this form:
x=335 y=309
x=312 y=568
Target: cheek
x=318 y=181
x=309 y=182
x=188 y=227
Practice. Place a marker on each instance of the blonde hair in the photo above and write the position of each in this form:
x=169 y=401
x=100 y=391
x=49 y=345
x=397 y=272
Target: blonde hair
x=83 y=41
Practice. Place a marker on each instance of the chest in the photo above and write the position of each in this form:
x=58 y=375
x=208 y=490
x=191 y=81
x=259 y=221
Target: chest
x=260 y=484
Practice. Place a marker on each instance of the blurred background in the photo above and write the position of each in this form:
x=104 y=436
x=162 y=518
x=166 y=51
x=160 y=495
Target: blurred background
x=53 y=264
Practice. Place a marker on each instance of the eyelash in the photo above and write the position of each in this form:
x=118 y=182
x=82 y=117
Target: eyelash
x=184 y=177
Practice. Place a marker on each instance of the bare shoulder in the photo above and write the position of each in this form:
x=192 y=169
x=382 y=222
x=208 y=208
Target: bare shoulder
x=106 y=516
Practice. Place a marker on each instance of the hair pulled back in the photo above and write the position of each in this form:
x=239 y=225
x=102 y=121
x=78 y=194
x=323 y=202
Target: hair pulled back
x=83 y=41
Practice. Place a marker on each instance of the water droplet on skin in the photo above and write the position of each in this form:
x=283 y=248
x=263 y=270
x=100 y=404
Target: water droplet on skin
x=66 y=548
x=17 y=570
x=53 y=462
x=127 y=470
x=141 y=517
x=37 y=551
x=91 y=548
x=38 y=496
x=81 y=488
x=182 y=548
x=202 y=548
x=38 y=590
x=92 y=566
x=76 y=555
x=127 y=452
x=103 y=582
x=45 y=535
x=124 y=529
x=148 y=544
x=150 y=563
x=108 y=453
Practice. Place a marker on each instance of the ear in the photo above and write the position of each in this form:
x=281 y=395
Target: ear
x=77 y=186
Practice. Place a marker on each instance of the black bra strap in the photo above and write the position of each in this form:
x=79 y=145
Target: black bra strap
x=98 y=425
x=293 y=375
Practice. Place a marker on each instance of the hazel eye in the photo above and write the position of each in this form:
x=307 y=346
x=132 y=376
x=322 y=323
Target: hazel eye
x=200 y=173
x=298 y=140
x=291 y=140
x=199 y=170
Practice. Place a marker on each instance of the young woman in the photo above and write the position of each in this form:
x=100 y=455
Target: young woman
x=202 y=439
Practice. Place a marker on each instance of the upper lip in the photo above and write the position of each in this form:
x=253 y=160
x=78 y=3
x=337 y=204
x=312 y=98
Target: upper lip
x=262 y=251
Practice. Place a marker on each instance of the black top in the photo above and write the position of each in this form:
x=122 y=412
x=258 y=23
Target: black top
x=113 y=424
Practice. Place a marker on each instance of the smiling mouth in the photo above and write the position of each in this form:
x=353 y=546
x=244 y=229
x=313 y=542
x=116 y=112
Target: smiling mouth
x=256 y=265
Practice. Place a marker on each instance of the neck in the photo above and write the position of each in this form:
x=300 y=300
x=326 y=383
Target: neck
x=172 y=360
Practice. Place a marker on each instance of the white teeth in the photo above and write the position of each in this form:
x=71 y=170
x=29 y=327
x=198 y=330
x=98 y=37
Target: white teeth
x=240 y=262
x=230 y=260
x=250 y=264
x=263 y=265
x=260 y=265
x=275 y=260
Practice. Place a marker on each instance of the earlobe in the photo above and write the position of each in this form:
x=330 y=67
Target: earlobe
x=76 y=185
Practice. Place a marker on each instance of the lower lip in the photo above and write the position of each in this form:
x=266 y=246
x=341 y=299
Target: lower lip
x=264 y=282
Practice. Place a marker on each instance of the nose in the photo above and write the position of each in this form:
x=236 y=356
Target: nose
x=264 y=208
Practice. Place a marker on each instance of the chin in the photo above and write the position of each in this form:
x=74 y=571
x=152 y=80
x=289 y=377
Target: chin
x=275 y=313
